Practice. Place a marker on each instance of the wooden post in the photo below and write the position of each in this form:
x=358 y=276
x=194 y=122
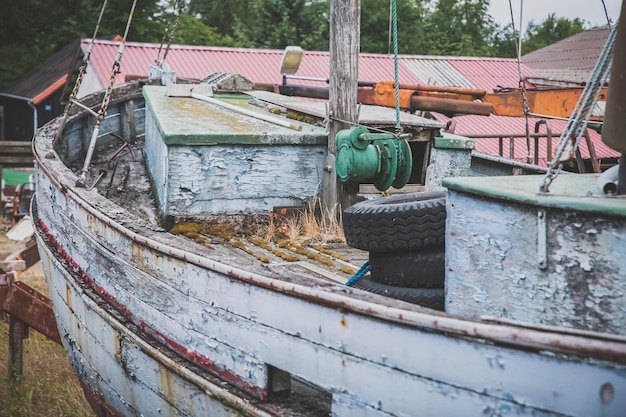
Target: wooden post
x=18 y=331
x=345 y=26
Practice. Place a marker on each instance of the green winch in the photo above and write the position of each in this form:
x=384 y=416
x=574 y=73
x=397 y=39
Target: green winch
x=378 y=157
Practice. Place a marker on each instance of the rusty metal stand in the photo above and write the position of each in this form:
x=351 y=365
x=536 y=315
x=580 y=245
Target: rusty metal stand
x=26 y=307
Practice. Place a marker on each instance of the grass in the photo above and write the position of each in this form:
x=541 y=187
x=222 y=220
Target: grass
x=49 y=386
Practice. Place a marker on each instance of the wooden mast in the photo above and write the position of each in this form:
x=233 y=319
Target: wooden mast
x=345 y=26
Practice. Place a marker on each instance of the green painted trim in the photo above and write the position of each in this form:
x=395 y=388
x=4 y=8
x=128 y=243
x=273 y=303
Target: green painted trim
x=568 y=192
x=450 y=141
x=186 y=121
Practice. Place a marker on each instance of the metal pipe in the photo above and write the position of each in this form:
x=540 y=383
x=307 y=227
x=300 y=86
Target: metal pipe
x=444 y=105
x=35 y=116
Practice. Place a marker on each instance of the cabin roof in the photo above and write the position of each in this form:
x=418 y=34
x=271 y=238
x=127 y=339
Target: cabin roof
x=47 y=77
x=571 y=59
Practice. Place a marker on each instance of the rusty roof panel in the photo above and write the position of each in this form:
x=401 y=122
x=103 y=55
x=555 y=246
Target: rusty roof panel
x=571 y=59
x=501 y=126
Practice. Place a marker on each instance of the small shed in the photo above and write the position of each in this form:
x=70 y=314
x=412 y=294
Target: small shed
x=35 y=99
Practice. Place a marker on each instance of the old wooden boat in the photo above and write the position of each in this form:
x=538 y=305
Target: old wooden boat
x=168 y=304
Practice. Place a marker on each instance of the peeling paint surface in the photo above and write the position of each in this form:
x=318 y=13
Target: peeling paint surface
x=234 y=175
x=159 y=325
x=493 y=269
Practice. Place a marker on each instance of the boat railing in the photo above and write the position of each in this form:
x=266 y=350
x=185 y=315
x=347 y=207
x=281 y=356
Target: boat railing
x=542 y=147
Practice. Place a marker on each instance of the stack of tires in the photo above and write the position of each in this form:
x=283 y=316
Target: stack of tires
x=404 y=235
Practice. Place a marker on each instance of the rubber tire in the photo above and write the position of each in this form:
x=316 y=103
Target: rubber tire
x=403 y=222
x=425 y=297
x=425 y=269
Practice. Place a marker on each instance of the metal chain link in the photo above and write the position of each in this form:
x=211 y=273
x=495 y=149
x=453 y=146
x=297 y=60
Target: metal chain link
x=170 y=33
x=81 y=74
x=115 y=70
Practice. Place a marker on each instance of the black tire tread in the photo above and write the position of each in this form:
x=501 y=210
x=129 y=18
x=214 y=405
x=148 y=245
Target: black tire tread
x=398 y=223
x=424 y=269
x=425 y=297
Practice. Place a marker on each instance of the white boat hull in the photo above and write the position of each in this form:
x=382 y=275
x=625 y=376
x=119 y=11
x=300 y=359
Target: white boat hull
x=389 y=362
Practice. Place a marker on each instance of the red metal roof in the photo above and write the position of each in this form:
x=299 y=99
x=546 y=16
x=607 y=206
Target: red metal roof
x=262 y=66
x=259 y=65
x=491 y=73
x=504 y=127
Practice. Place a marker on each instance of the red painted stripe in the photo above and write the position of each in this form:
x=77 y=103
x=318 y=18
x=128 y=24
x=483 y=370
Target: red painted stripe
x=192 y=356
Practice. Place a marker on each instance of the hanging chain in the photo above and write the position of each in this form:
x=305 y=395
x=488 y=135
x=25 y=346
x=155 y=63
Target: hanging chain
x=81 y=74
x=577 y=123
x=179 y=4
x=115 y=70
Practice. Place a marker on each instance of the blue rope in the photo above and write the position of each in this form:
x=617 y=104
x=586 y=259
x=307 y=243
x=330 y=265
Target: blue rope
x=359 y=274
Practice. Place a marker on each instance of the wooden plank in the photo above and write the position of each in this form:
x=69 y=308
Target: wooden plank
x=11 y=266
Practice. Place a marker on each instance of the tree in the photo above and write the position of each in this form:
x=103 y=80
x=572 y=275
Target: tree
x=192 y=31
x=267 y=23
x=375 y=26
x=224 y=16
x=504 y=42
x=459 y=27
x=551 y=30
x=31 y=30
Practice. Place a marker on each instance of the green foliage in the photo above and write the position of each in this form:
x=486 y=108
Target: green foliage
x=192 y=31
x=551 y=30
x=376 y=32
x=459 y=27
x=504 y=42
x=31 y=30
x=267 y=23
x=23 y=57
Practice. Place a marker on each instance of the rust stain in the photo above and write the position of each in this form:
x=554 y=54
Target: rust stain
x=68 y=295
x=344 y=322
x=165 y=382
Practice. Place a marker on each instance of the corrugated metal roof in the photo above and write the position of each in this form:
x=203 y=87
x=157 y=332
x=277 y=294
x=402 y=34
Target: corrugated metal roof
x=570 y=59
x=436 y=71
x=259 y=65
x=505 y=127
x=491 y=74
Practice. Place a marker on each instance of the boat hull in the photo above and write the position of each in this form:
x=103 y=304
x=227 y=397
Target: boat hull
x=371 y=365
x=156 y=324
